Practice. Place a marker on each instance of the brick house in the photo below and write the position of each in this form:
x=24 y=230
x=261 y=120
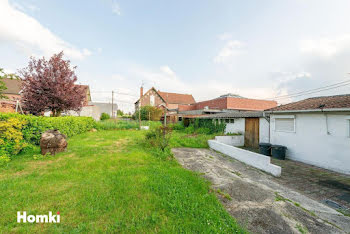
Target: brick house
x=171 y=101
x=13 y=94
x=158 y=98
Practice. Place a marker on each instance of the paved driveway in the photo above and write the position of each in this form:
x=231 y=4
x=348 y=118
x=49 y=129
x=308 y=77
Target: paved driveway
x=257 y=200
x=314 y=182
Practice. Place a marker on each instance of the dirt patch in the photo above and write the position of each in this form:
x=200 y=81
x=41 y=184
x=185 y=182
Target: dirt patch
x=250 y=196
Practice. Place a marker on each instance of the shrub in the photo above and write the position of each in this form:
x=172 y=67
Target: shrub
x=177 y=126
x=104 y=116
x=159 y=138
x=18 y=131
x=11 y=137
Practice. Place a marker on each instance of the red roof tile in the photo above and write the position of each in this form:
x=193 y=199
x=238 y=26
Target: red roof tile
x=327 y=102
x=249 y=104
x=177 y=98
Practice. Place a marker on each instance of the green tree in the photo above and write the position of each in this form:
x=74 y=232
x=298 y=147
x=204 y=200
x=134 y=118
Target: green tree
x=120 y=113
x=149 y=113
x=3 y=87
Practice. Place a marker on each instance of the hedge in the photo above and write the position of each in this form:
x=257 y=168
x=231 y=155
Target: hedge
x=27 y=129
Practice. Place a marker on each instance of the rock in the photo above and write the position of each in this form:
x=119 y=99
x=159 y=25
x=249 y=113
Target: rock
x=52 y=141
x=93 y=130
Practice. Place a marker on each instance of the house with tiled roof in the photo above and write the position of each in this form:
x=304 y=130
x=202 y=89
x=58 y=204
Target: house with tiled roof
x=169 y=101
x=315 y=131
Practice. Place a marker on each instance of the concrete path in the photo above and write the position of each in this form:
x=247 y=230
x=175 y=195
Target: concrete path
x=257 y=201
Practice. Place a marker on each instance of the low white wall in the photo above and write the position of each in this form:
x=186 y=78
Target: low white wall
x=231 y=140
x=319 y=139
x=259 y=161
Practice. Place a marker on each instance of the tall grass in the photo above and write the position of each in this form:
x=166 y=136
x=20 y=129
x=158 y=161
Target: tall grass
x=113 y=124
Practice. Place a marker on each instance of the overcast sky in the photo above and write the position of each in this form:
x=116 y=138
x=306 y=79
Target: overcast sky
x=257 y=49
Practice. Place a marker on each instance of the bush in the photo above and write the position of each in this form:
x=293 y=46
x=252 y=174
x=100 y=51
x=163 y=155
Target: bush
x=159 y=139
x=18 y=131
x=104 y=116
x=177 y=126
x=11 y=137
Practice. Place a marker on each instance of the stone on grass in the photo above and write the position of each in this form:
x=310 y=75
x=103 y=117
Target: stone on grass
x=52 y=141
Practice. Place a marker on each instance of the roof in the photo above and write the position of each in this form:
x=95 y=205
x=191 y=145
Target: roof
x=249 y=104
x=177 y=98
x=13 y=86
x=317 y=103
x=243 y=114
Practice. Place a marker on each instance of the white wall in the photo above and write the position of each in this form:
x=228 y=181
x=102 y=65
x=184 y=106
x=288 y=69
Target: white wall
x=259 y=161
x=231 y=140
x=236 y=127
x=313 y=144
x=88 y=111
x=239 y=126
x=264 y=131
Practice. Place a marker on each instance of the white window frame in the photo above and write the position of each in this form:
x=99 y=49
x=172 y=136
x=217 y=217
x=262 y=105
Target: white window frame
x=285 y=117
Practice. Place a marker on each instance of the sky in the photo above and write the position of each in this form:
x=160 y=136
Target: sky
x=256 y=49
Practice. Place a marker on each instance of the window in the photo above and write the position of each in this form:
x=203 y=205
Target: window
x=152 y=100
x=284 y=124
x=229 y=121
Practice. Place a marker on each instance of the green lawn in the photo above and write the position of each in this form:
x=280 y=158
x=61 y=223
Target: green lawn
x=108 y=181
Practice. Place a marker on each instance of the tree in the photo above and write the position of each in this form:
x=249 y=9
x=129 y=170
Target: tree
x=49 y=85
x=2 y=84
x=120 y=113
x=149 y=113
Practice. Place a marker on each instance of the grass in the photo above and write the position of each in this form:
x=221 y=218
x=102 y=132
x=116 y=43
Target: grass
x=107 y=181
x=301 y=229
x=113 y=124
x=182 y=139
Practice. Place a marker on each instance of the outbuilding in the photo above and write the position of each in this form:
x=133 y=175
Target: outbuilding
x=315 y=131
x=254 y=125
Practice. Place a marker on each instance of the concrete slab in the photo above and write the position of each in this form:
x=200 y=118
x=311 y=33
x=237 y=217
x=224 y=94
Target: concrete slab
x=257 y=201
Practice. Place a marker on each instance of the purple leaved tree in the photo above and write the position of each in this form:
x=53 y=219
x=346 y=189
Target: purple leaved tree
x=49 y=86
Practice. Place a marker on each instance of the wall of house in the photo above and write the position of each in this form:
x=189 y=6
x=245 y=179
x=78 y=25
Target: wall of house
x=237 y=126
x=315 y=143
x=88 y=111
x=264 y=131
x=219 y=103
x=146 y=100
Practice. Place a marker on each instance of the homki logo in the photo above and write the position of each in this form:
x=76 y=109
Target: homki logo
x=38 y=218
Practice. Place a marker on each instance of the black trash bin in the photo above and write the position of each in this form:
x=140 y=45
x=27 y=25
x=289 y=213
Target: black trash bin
x=265 y=149
x=278 y=151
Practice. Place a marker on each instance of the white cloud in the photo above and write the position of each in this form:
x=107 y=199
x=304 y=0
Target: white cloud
x=225 y=36
x=118 y=77
x=116 y=8
x=25 y=7
x=325 y=47
x=167 y=70
x=32 y=38
x=231 y=49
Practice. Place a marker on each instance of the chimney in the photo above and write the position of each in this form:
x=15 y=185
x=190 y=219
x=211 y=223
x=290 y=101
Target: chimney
x=141 y=92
